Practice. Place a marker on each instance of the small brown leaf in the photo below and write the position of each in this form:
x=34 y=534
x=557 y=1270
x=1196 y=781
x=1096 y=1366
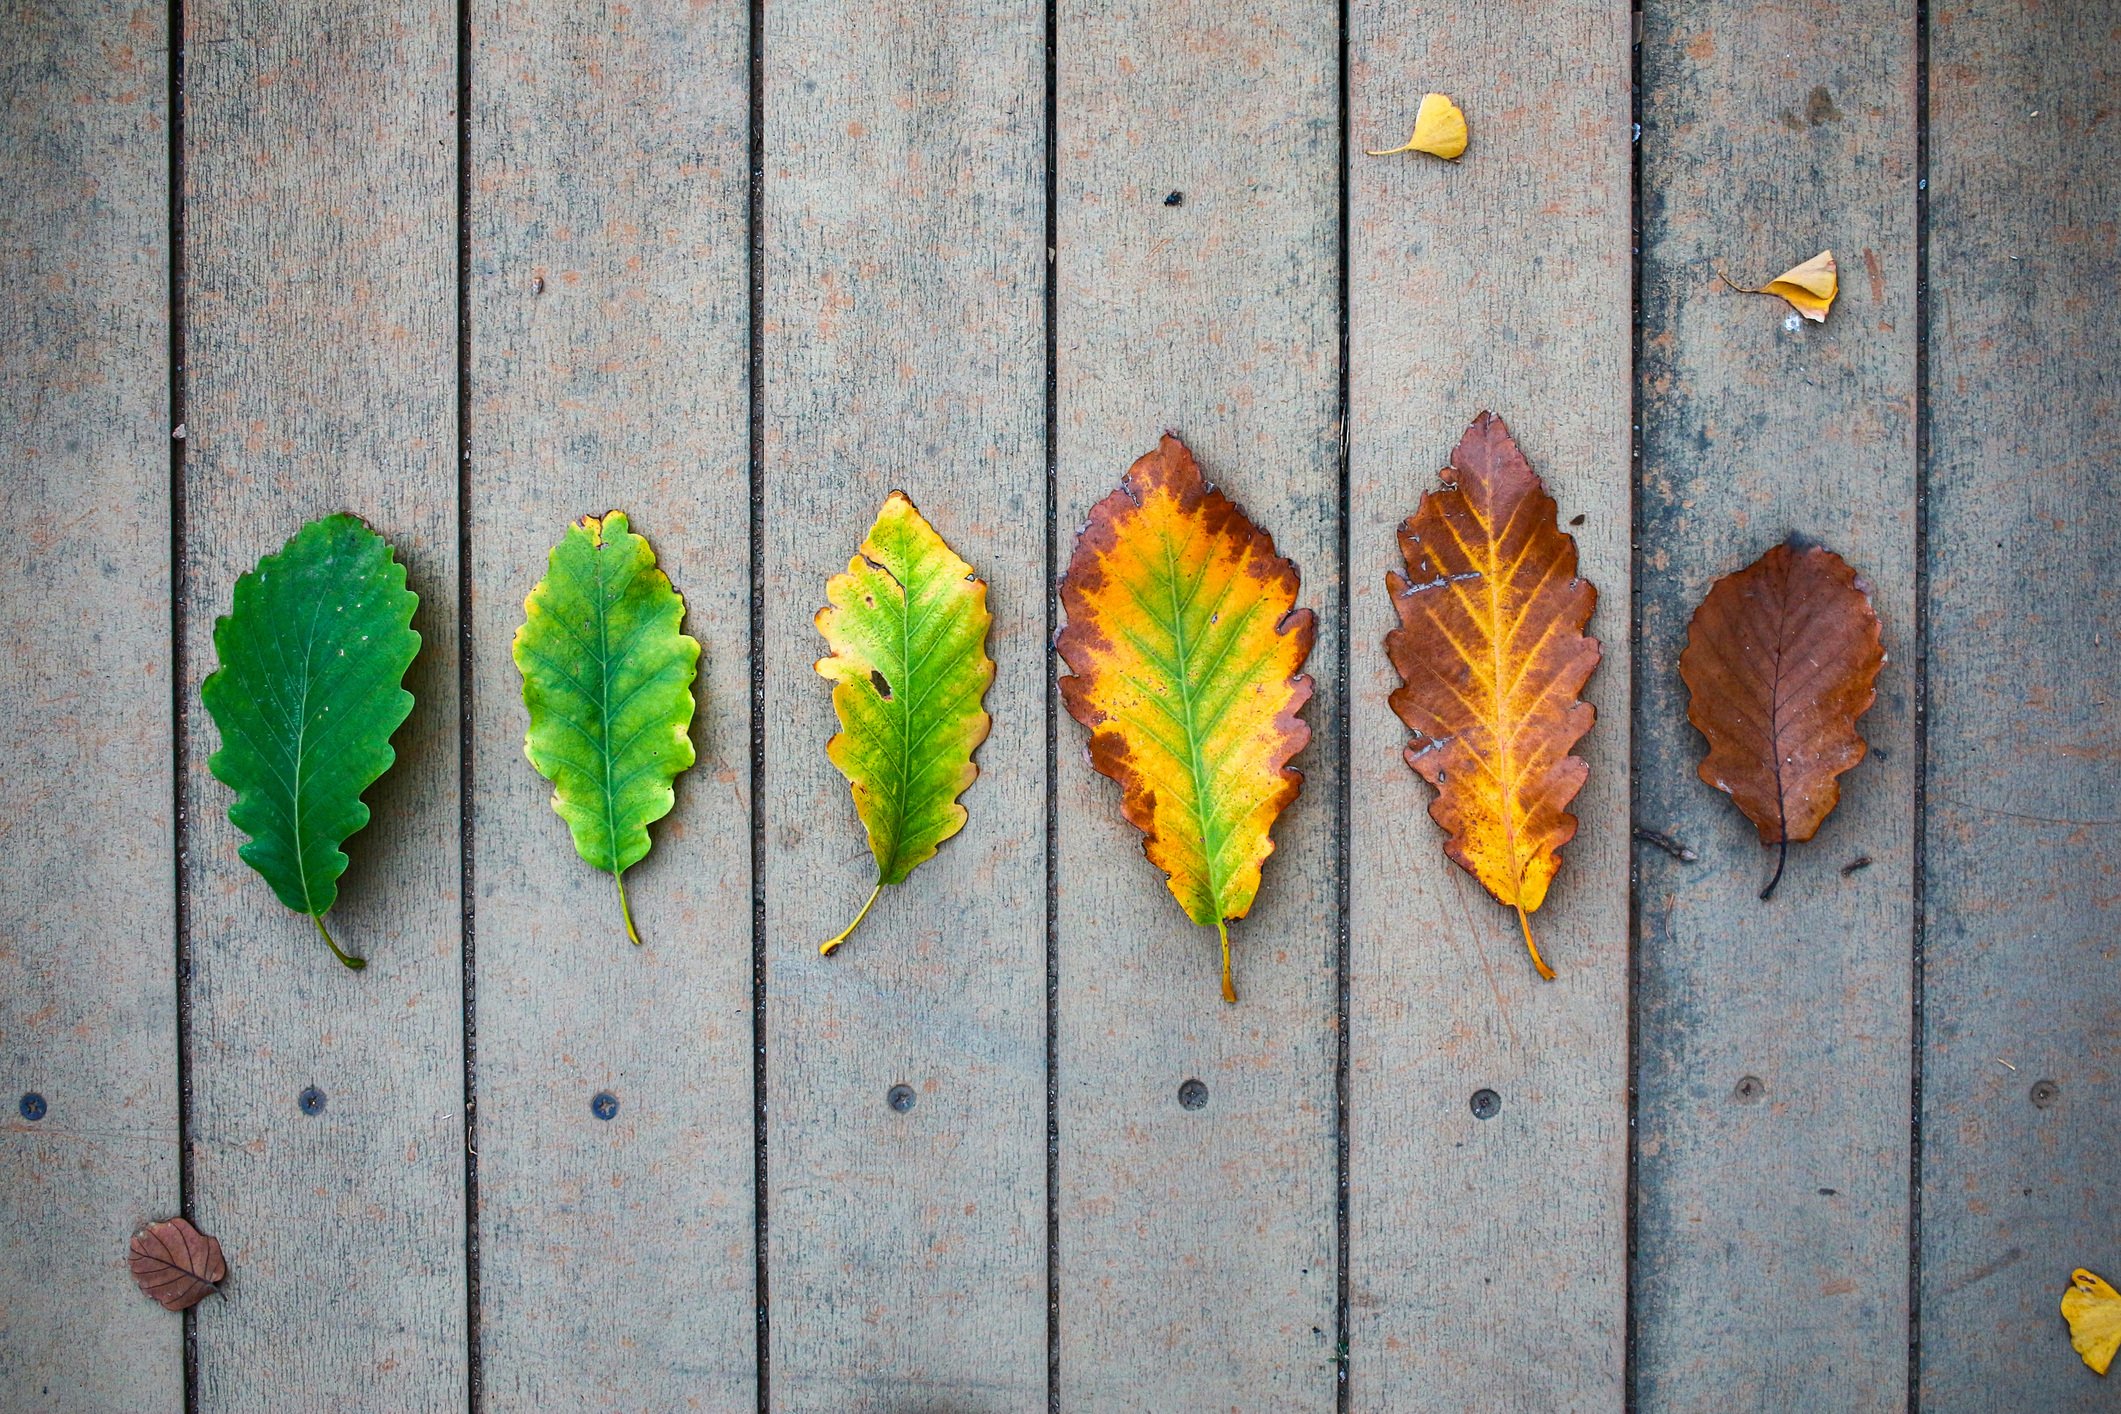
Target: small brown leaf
x=1781 y=659
x=177 y=1264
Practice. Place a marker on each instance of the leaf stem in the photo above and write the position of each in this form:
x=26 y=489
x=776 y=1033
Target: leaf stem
x=825 y=948
x=1782 y=857
x=353 y=963
x=1222 y=927
x=1524 y=921
x=618 y=876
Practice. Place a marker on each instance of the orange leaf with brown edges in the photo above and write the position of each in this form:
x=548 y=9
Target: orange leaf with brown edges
x=1781 y=659
x=1186 y=651
x=1492 y=655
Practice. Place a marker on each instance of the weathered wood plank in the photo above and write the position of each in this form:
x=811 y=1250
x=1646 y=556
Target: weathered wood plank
x=2022 y=850
x=88 y=1017
x=321 y=339
x=1196 y=1248
x=904 y=347
x=1772 y=1217
x=609 y=363
x=1498 y=282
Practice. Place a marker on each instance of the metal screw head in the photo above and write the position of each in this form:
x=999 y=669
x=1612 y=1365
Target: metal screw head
x=2045 y=1093
x=1177 y=198
x=311 y=1100
x=900 y=1098
x=1486 y=1104
x=1193 y=1095
x=1749 y=1088
x=32 y=1106
x=604 y=1104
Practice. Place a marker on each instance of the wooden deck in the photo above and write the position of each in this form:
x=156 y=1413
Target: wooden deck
x=472 y=271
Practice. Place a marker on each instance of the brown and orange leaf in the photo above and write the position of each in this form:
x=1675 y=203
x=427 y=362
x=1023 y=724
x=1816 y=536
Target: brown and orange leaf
x=1491 y=656
x=1781 y=659
x=1186 y=651
x=176 y=1264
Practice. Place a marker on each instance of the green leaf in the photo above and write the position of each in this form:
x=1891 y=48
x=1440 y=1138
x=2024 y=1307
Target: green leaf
x=607 y=678
x=307 y=694
x=908 y=628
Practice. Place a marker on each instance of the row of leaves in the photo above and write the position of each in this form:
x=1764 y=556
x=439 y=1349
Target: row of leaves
x=1185 y=648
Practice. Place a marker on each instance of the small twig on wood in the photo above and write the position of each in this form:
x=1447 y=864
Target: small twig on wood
x=1666 y=843
x=1861 y=861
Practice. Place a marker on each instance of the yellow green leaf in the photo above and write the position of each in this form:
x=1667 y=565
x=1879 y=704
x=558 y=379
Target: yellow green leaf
x=607 y=679
x=1186 y=651
x=2093 y=1310
x=1439 y=129
x=909 y=670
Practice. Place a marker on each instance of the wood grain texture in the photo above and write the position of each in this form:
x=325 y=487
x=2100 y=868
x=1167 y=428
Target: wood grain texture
x=2023 y=847
x=1487 y=1257
x=1772 y=1219
x=88 y=1001
x=904 y=348
x=1196 y=1256
x=609 y=362
x=320 y=170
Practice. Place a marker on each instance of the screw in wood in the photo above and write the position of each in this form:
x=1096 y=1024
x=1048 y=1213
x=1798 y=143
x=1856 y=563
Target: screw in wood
x=1486 y=1104
x=900 y=1098
x=604 y=1104
x=1749 y=1088
x=32 y=1106
x=1192 y=1095
x=2045 y=1093
x=311 y=1100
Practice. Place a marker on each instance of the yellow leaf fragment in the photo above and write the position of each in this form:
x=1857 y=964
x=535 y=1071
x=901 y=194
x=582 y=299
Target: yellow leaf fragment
x=1809 y=288
x=1439 y=129
x=2093 y=1310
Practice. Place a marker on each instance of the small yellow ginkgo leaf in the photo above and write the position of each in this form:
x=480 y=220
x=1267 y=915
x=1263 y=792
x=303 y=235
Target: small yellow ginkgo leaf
x=2093 y=1310
x=1439 y=128
x=1809 y=288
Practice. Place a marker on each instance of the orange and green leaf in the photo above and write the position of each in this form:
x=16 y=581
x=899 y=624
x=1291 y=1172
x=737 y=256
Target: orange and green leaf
x=1186 y=651
x=1491 y=655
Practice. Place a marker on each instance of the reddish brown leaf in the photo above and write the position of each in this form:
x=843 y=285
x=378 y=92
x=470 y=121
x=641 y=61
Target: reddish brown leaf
x=1491 y=655
x=1781 y=659
x=177 y=1264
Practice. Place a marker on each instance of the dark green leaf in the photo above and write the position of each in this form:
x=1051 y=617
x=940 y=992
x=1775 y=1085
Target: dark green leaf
x=308 y=692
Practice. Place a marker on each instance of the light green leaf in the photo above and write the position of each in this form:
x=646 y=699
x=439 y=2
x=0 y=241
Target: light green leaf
x=908 y=628
x=607 y=678
x=307 y=694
